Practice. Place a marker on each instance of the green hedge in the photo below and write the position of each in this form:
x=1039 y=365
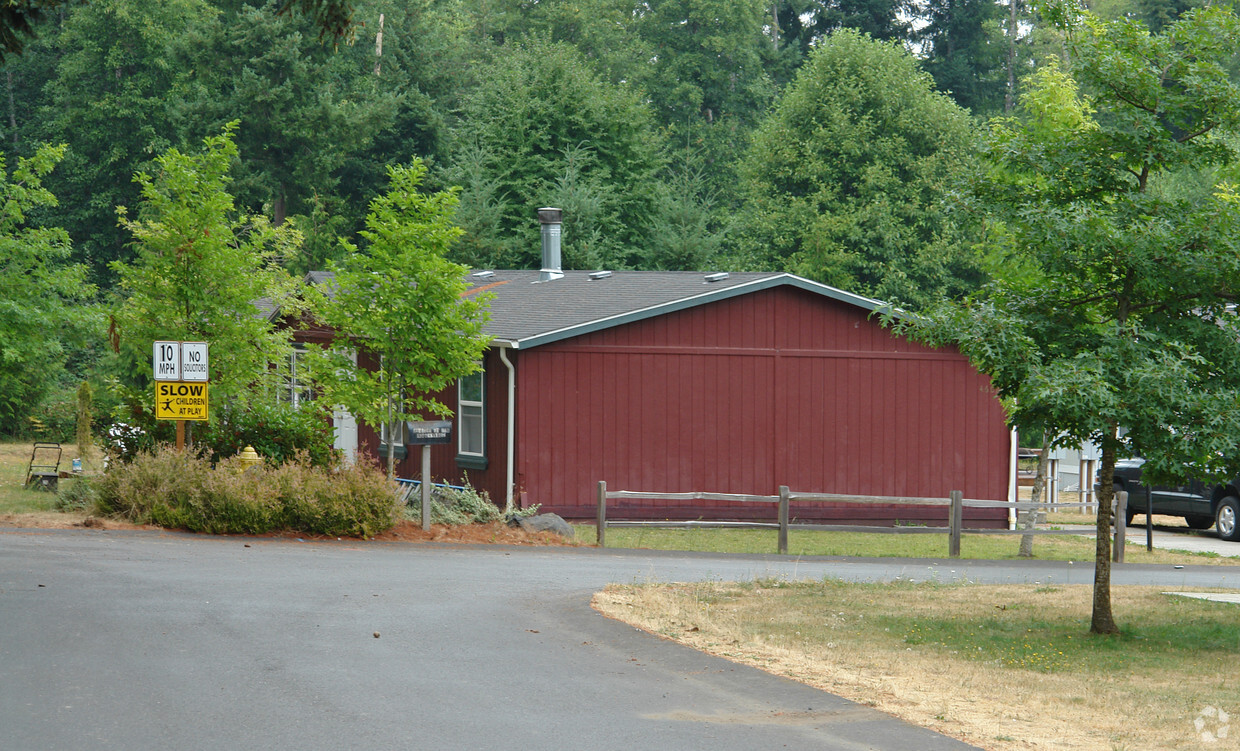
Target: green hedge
x=276 y=431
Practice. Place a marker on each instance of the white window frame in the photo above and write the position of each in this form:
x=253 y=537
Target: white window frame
x=480 y=418
x=292 y=390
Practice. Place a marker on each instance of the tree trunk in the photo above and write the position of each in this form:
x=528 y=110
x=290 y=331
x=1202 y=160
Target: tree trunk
x=1103 y=622
x=1009 y=97
x=279 y=208
x=775 y=25
x=379 y=45
x=12 y=109
x=1035 y=496
x=391 y=443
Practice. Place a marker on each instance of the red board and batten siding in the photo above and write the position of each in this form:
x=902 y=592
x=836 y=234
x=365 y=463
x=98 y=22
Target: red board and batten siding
x=444 y=467
x=777 y=387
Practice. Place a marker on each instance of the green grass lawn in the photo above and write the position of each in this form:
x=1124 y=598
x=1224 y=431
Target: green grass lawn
x=15 y=498
x=809 y=542
x=962 y=656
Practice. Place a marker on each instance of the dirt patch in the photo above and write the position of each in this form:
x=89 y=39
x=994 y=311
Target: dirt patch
x=496 y=533
x=404 y=531
x=62 y=520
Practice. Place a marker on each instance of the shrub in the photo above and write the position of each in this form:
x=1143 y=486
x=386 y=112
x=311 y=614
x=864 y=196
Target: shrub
x=460 y=507
x=354 y=500
x=276 y=431
x=76 y=494
x=125 y=441
x=182 y=490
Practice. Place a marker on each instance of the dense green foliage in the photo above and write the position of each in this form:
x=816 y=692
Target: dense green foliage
x=631 y=118
x=402 y=303
x=675 y=134
x=847 y=181
x=541 y=129
x=1113 y=302
x=199 y=270
x=41 y=292
x=277 y=432
x=179 y=490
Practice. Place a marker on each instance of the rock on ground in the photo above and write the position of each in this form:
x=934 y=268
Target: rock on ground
x=547 y=523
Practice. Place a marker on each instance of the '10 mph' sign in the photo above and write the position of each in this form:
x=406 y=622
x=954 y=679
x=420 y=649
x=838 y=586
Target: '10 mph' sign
x=181 y=374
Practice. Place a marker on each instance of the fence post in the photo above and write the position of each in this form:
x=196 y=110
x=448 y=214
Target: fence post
x=601 y=519
x=783 y=519
x=1121 y=525
x=955 y=520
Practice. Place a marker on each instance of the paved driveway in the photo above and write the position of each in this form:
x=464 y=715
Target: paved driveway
x=139 y=640
x=1173 y=538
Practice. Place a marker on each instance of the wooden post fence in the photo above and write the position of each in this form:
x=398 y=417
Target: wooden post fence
x=955 y=521
x=955 y=514
x=1121 y=525
x=783 y=519
x=601 y=518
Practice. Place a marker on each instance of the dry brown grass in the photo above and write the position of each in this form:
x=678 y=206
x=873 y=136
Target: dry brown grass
x=876 y=645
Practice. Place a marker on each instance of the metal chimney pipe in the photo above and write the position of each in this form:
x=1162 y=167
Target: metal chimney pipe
x=549 y=218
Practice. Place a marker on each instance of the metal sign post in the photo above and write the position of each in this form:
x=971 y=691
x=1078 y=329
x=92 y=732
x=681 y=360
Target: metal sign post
x=425 y=434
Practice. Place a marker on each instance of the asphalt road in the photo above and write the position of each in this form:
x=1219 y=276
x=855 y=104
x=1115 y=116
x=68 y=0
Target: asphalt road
x=139 y=640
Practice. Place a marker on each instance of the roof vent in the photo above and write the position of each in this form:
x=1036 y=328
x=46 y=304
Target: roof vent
x=717 y=277
x=483 y=274
x=595 y=275
x=550 y=218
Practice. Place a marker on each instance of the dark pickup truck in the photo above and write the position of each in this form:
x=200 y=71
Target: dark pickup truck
x=1201 y=504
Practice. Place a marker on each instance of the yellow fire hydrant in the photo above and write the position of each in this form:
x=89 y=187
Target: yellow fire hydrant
x=249 y=458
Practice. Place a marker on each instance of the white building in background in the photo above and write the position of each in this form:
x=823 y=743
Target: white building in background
x=1071 y=472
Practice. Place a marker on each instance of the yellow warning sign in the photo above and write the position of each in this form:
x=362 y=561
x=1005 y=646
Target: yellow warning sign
x=180 y=401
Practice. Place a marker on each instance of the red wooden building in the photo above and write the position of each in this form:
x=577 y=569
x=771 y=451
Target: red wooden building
x=731 y=383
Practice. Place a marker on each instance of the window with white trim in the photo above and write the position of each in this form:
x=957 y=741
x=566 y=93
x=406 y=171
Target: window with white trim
x=470 y=428
x=295 y=388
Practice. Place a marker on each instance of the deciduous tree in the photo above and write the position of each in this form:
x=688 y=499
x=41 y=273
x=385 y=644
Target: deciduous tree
x=200 y=268
x=1111 y=319
x=42 y=294
x=400 y=303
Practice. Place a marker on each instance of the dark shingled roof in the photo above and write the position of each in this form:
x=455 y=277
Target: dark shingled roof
x=527 y=312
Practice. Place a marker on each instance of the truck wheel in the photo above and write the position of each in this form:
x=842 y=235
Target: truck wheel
x=1198 y=522
x=1225 y=518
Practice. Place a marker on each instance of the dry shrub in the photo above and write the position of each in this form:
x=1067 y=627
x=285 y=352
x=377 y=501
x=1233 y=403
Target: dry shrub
x=355 y=500
x=178 y=489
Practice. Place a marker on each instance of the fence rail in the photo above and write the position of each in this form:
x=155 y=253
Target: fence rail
x=954 y=530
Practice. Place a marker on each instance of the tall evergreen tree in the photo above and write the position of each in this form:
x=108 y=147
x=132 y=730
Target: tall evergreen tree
x=847 y=181
x=540 y=129
x=962 y=48
x=108 y=103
